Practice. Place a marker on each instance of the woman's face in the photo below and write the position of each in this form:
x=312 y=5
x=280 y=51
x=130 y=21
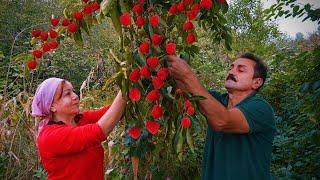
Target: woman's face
x=66 y=101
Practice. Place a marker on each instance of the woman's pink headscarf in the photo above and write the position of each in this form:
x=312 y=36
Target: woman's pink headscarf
x=43 y=98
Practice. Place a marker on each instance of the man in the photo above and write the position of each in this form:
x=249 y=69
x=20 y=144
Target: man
x=241 y=124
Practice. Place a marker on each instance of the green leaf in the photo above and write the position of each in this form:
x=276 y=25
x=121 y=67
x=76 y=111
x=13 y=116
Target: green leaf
x=111 y=80
x=21 y=57
x=304 y=87
x=316 y=85
x=190 y=140
x=197 y=98
x=78 y=38
x=84 y=26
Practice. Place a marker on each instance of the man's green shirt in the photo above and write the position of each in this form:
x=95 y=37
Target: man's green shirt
x=229 y=156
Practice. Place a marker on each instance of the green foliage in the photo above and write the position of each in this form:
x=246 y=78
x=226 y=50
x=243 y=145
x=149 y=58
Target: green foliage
x=295 y=94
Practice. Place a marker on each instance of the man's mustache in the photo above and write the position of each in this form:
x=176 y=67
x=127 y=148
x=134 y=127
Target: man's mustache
x=231 y=77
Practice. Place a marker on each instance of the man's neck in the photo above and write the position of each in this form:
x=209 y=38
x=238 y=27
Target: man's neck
x=236 y=97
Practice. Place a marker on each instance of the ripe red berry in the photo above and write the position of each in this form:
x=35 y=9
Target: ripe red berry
x=154 y=20
x=152 y=127
x=185 y=122
x=173 y=9
x=44 y=35
x=134 y=132
x=190 y=38
x=153 y=62
x=156 y=112
x=137 y=9
x=157 y=82
x=54 y=21
x=163 y=73
x=95 y=6
x=72 y=27
x=125 y=19
x=134 y=75
x=46 y=47
x=187 y=26
x=134 y=94
x=53 y=44
x=144 y=47
x=154 y=95
x=65 y=22
x=156 y=39
x=145 y=72
x=87 y=9
x=36 y=33
x=140 y=21
x=37 y=53
x=77 y=15
x=181 y=6
x=32 y=64
x=171 y=48
x=53 y=34
x=206 y=4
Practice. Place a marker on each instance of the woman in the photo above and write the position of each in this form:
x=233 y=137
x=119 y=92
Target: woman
x=69 y=142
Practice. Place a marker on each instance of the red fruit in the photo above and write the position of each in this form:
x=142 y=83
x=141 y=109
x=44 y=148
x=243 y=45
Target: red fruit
x=36 y=33
x=156 y=39
x=156 y=112
x=153 y=61
x=44 y=35
x=125 y=19
x=137 y=9
x=65 y=22
x=134 y=94
x=85 y=1
x=140 y=1
x=153 y=127
x=87 y=9
x=187 y=25
x=185 y=122
x=134 y=75
x=190 y=38
x=145 y=72
x=206 y=4
x=192 y=14
x=77 y=15
x=195 y=7
x=95 y=6
x=181 y=7
x=53 y=44
x=134 y=132
x=190 y=110
x=157 y=82
x=163 y=73
x=37 y=53
x=171 y=48
x=186 y=2
x=144 y=47
x=32 y=64
x=72 y=27
x=54 y=21
x=173 y=9
x=53 y=34
x=154 y=20
x=139 y=21
x=187 y=103
x=154 y=95
x=46 y=47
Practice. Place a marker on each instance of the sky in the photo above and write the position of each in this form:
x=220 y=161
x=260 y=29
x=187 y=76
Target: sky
x=291 y=26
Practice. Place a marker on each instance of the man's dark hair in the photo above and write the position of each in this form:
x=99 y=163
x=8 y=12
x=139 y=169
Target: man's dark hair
x=260 y=68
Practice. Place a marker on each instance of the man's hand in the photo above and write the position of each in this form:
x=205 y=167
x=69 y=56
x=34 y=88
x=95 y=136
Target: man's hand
x=179 y=69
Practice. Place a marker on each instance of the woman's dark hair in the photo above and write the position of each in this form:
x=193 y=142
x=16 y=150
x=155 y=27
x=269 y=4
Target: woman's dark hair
x=260 y=68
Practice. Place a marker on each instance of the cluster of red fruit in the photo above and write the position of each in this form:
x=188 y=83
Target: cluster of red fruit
x=152 y=68
x=49 y=38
